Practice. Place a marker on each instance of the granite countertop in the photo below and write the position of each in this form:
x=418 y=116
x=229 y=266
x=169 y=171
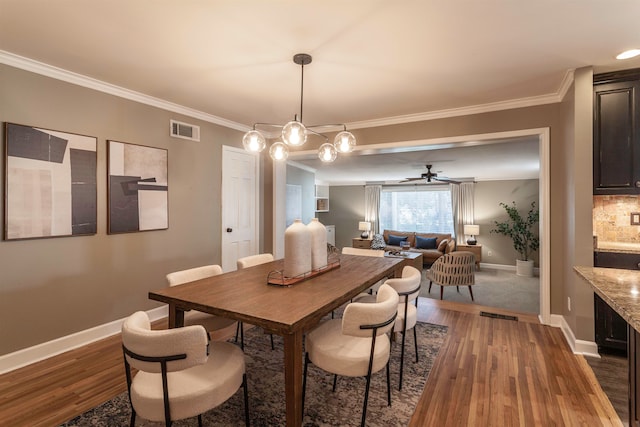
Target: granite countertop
x=620 y=289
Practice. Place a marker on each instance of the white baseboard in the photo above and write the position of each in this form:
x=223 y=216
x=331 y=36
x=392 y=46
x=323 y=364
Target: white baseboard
x=27 y=356
x=512 y=268
x=586 y=348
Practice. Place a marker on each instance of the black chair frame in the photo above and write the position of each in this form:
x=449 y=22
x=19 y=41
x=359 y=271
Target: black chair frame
x=404 y=328
x=374 y=330
x=163 y=360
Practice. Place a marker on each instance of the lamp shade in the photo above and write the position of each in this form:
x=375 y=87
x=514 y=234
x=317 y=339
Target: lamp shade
x=472 y=230
x=364 y=226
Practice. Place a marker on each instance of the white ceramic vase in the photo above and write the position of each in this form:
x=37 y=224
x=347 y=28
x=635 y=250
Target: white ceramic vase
x=297 y=249
x=318 y=244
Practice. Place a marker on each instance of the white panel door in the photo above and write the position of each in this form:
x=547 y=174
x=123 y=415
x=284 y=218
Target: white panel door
x=239 y=206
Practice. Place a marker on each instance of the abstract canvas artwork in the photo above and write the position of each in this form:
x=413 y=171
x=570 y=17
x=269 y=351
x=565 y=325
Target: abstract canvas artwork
x=138 y=188
x=50 y=181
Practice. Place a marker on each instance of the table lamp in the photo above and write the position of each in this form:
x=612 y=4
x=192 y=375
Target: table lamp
x=364 y=226
x=471 y=230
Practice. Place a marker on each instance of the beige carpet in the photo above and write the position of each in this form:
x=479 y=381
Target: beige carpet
x=493 y=288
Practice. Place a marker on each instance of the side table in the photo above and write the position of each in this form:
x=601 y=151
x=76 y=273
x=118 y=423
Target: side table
x=475 y=249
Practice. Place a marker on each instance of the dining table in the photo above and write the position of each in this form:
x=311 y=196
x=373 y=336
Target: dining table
x=289 y=311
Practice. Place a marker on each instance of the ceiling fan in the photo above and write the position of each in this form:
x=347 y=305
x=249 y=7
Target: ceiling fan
x=428 y=175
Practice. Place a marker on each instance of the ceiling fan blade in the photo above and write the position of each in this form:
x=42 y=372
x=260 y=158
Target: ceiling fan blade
x=412 y=179
x=443 y=179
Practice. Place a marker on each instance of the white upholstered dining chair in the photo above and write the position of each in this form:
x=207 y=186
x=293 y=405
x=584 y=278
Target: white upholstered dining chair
x=209 y=321
x=408 y=288
x=180 y=373
x=356 y=345
x=246 y=262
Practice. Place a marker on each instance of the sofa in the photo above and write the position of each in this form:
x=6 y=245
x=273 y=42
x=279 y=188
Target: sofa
x=421 y=242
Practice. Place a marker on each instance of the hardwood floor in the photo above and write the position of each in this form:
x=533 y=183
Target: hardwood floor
x=489 y=372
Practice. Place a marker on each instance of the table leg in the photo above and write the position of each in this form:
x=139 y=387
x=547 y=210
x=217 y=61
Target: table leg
x=176 y=317
x=293 y=378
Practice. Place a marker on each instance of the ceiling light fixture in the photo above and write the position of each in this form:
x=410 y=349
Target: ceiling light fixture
x=629 y=54
x=294 y=133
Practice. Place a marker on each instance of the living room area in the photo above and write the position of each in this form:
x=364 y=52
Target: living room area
x=425 y=208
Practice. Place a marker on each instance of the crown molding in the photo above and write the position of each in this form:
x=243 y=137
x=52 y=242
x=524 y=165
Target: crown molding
x=41 y=68
x=47 y=70
x=551 y=98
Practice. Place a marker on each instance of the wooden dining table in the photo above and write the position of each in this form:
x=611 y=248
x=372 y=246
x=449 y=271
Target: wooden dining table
x=289 y=311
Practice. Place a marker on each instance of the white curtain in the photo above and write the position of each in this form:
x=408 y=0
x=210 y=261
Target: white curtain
x=463 y=209
x=372 y=206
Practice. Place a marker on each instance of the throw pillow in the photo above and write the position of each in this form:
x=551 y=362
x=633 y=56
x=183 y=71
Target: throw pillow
x=426 y=242
x=377 y=242
x=396 y=240
x=443 y=245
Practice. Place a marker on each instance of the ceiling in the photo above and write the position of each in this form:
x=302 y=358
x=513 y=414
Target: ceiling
x=374 y=61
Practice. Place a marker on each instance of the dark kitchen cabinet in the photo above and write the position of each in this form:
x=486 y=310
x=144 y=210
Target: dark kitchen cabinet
x=616 y=133
x=610 y=327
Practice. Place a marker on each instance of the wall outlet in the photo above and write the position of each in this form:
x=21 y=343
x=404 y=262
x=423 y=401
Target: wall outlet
x=489 y=253
x=569 y=303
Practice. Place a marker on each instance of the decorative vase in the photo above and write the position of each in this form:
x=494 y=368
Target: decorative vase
x=318 y=244
x=524 y=268
x=297 y=249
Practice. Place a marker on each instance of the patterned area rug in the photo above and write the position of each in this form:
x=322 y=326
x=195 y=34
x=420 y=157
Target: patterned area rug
x=322 y=407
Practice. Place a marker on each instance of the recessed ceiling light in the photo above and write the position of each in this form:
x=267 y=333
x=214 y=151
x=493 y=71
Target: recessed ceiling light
x=628 y=54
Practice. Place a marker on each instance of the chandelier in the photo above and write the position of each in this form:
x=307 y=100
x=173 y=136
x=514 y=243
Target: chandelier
x=294 y=133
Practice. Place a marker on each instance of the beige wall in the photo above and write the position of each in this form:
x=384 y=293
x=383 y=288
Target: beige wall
x=51 y=288
x=346 y=209
x=487 y=199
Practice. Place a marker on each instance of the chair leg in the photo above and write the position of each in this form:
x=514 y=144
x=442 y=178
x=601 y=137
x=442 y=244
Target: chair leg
x=273 y=347
x=242 y=336
x=430 y=283
x=415 y=340
x=237 y=330
x=133 y=418
x=366 y=398
x=246 y=400
x=404 y=333
x=388 y=386
x=335 y=382
x=441 y=291
x=471 y=292
x=458 y=289
x=304 y=381
x=199 y=420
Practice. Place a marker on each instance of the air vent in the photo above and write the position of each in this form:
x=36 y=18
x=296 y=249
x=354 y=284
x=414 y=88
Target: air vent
x=185 y=130
x=498 y=316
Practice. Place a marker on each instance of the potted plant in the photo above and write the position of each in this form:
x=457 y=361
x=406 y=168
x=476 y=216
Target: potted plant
x=521 y=231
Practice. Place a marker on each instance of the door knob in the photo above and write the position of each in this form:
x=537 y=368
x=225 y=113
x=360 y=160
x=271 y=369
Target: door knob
x=229 y=229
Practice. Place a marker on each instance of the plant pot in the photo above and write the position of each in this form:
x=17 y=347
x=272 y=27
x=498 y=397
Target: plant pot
x=524 y=268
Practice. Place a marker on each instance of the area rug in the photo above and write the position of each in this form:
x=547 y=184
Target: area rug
x=322 y=407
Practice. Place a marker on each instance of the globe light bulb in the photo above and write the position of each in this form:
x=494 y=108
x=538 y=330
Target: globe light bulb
x=279 y=151
x=294 y=134
x=253 y=141
x=344 y=142
x=327 y=153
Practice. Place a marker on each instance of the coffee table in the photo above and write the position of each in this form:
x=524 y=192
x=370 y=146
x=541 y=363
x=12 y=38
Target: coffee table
x=413 y=259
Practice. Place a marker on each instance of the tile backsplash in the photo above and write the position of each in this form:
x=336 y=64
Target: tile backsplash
x=612 y=218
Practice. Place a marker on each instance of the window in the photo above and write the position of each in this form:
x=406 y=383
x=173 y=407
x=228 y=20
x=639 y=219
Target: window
x=420 y=209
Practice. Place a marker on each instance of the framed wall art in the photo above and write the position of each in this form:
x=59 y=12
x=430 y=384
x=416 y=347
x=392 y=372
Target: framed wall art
x=138 y=188
x=50 y=183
